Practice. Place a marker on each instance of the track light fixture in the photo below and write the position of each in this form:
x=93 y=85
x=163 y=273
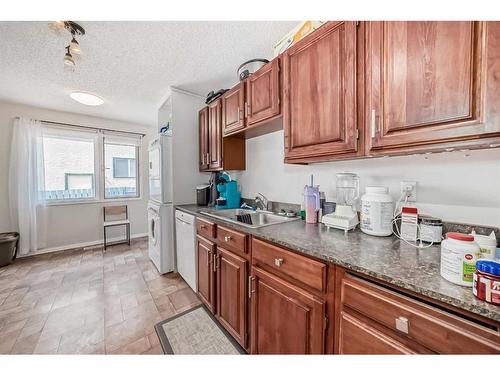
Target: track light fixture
x=73 y=47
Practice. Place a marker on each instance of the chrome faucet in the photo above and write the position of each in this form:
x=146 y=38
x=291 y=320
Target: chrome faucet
x=261 y=202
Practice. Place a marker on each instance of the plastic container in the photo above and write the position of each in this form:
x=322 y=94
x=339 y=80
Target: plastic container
x=311 y=203
x=377 y=208
x=8 y=247
x=487 y=245
x=487 y=281
x=431 y=229
x=458 y=258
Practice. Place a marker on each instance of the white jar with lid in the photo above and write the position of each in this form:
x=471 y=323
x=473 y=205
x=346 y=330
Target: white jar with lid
x=458 y=258
x=487 y=244
x=377 y=209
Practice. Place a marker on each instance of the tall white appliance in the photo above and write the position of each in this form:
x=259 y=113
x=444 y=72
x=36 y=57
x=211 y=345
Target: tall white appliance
x=173 y=173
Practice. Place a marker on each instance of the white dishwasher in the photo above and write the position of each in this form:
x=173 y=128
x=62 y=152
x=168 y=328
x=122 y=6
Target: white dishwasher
x=186 y=247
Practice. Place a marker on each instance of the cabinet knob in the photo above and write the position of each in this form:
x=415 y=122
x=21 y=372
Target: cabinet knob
x=228 y=238
x=278 y=262
x=402 y=324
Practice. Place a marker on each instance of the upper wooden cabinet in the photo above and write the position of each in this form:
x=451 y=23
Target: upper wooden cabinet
x=319 y=109
x=233 y=103
x=263 y=93
x=203 y=138
x=215 y=135
x=218 y=153
x=426 y=85
x=253 y=102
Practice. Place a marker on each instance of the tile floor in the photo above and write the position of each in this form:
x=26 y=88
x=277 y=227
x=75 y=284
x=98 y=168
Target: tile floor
x=88 y=302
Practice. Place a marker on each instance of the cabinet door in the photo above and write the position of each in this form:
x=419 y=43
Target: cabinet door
x=231 y=297
x=206 y=274
x=358 y=337
x=285 y=319
x=263 y=93
x=319 y=111
x=203 y=138
x=424 y=83
x=215 y=135
x=233 y=103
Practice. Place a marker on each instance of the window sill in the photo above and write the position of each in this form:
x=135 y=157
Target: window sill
x=93 y=201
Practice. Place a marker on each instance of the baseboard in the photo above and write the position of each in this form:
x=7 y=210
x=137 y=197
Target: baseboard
x=84 y=245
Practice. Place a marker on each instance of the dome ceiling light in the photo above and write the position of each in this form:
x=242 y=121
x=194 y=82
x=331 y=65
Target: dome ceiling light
x=73 y=47
x=86 y=98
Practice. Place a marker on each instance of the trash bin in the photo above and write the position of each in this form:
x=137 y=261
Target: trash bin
x=8 y=247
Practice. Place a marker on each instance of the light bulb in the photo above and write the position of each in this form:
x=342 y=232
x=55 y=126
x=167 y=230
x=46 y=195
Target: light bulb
x=68 y=59
x=74 y=47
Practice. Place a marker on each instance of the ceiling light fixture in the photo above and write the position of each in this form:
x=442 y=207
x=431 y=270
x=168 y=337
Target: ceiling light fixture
x=86 y=98
x=73 y=47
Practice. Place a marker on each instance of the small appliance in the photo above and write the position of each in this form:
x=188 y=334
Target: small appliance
x=203 y=195
x=213 y=194
x=249 y=67
x=229 y=196
x=345 y=216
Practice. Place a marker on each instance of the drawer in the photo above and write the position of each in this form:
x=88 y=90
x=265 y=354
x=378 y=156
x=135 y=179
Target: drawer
x=429 y=326
x=232 y=240
x=205 y=228
x=357 y=337
x=308 y=271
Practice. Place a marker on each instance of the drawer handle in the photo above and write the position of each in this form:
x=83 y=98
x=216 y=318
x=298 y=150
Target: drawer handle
x=203 y=226
x=402 y=324
x=228 y=238
x=278 y=262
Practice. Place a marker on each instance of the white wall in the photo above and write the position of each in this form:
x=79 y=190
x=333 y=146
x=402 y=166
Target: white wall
x=64 y=226
x=450 y=185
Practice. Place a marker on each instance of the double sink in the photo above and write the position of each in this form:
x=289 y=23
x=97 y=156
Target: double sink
x=250 y=218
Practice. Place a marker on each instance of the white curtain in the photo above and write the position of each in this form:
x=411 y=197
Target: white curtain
x=26 y=182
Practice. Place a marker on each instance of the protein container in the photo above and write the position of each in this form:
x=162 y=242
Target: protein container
x=377 y=209
x=458 y=258
x=487 y=281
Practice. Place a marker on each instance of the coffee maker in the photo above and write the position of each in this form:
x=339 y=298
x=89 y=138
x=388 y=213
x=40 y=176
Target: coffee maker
x=212 y=183
x=229 y=196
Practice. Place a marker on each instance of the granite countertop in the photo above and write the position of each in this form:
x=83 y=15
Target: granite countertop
x=383 y=258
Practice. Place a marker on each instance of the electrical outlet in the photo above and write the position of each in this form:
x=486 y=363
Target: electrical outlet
x=409 y=188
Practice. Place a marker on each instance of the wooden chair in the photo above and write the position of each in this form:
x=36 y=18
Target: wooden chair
x=116 y=211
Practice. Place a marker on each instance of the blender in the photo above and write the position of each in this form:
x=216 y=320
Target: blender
x=345 y=216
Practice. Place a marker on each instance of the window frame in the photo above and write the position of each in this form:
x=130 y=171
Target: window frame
x=99 y=167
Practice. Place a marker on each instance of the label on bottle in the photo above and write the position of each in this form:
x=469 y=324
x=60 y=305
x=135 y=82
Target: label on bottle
x=376 y=216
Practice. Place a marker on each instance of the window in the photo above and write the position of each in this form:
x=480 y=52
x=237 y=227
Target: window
x=120 y=164
x=123 y=167
x=69 y=163
x=88 y=165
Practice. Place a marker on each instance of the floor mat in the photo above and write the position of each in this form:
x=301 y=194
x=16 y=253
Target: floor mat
x=195 y=331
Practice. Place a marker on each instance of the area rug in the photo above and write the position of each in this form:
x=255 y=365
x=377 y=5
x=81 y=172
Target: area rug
x=195 y=331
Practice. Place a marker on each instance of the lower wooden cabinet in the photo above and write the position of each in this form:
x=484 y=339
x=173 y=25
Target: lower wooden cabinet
x=232 y=276
x=375 y=319
x=359 y=337
x=206 y=275
x=284 y=318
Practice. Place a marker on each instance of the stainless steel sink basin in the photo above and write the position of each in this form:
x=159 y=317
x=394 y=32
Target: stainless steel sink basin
x=258 y=218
